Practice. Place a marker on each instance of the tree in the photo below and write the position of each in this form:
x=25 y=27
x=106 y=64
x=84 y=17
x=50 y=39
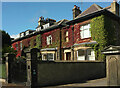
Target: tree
x=6 y=43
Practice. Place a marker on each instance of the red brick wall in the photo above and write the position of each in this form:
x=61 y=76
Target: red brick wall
x=73 y=38
x=70 y=37
x=55 y=38
x=77 y=39
x=18 y=50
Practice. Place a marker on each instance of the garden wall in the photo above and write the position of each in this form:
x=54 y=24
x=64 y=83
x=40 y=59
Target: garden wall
x=54 y=73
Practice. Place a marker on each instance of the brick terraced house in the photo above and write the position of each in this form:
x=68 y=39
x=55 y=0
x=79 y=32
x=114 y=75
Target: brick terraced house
x=82 y=38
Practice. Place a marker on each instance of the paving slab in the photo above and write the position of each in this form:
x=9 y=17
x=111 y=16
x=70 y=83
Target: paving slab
x=91 y=83
x=102 y=82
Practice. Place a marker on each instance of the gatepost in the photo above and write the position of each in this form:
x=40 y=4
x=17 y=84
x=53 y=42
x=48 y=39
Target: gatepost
x=9 y=61
x=112 y=65
x=32 y=58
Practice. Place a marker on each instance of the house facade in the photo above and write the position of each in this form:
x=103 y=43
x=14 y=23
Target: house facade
x=82 y=38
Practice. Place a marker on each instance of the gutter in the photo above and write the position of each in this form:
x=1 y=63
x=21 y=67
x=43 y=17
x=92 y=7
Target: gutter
x=39 y=32
x=92 y=15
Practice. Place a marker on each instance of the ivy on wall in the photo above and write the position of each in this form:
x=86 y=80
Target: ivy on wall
x=70 y=37
x=55 y=39
x=32 y=43
x=103 y=32
x=38 y=41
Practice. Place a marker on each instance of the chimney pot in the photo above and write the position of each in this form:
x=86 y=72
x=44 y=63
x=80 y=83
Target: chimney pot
x=114 y=0
x=76 y=11
x=75 y=6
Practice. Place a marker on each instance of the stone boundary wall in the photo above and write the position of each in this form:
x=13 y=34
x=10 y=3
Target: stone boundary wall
x=54 y=73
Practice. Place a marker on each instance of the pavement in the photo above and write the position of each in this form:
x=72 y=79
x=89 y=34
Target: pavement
x=102 y=82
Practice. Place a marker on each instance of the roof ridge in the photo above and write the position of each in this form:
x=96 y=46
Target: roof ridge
x=97 y=6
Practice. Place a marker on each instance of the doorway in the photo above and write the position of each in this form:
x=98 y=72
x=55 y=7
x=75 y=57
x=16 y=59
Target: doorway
x=68 y=56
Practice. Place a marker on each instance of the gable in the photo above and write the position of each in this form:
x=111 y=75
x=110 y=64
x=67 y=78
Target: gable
x=109 y=48
x=91 y=9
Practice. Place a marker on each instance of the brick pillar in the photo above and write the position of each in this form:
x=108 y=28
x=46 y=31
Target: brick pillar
x=72 y=53
x=32 y=59
x=28 y=60
x=112 y=65
x=9 y=61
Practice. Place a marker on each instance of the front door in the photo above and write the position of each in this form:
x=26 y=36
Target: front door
x=68 y=56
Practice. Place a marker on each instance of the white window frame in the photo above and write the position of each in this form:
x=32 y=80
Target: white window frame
x=92 y=54
x=84 y=30
x=82 y=57
x=20 y=45
x=66 y=36
x=27 y=33
x=46 y=25
x=47 y=56
x=49 y=40
x=38 y=29
x=22 y=34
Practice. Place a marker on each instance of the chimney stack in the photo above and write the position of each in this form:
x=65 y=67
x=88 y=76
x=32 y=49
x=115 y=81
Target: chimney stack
x=76 y=11
x=41 y=21
x=115 y=7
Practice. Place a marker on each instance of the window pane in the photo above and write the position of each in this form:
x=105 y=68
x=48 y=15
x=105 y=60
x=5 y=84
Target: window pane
x=21 y=45
x=66 y=33
x=47 y=40
x=44 y=56
x=82 y=34
x=86 y=26
x=81 y=52
x=50 y=56
x=85 y=33
x=81 y=28
x=89 y=51
x=66 y=39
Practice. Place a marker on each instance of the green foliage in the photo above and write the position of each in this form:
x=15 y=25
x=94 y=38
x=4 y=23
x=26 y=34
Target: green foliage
x=6 y=40
x=103 y=32
x=2 y=71
x=31 y=43
x=38 y=41
x=6 y=43
x=97 y=30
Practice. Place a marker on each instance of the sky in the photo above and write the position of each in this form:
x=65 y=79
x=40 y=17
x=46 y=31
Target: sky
x=21 y=16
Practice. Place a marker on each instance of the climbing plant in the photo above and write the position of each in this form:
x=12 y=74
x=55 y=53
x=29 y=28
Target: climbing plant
x=38 y=41
x=103 y=32
x=31 y=43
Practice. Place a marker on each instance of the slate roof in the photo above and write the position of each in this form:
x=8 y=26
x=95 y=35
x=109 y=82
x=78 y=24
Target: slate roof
x=92 y=15
x=91 y=9
x=56 y=25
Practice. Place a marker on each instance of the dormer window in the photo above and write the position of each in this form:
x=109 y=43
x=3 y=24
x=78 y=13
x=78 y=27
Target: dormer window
x=38 y=29
x=22 y=34
x=46 y=25
x=85 y=32
x=27 y=33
